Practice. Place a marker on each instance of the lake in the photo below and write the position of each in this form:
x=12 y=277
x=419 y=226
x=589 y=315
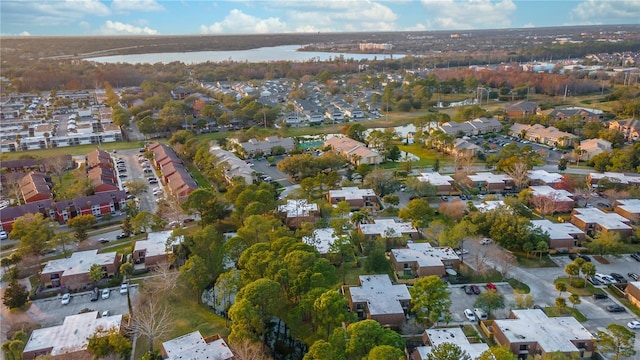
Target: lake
x=265 y=54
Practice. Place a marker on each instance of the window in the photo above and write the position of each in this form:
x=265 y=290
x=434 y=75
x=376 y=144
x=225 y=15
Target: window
x=524 y=347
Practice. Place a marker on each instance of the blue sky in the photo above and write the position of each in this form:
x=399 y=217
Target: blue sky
x=186 y=17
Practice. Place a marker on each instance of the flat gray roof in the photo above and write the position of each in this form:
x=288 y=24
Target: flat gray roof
x=490 y=178
x=351 y=193
x=79 y=262
x=551 y=334
x=382 y=297
x=544 y=176
x=435 y=179
x=452 y=336
x=72 y=335
x=322 y=239
x=383 y=227
x=555 y=194
x=193 y=347
x=557 y=230
x=424 y=254
x=629 y=205
x=297 y=207
x=156 y=243
x=609 y=221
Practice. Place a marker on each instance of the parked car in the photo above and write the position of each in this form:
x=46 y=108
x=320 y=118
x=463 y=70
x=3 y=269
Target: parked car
x=486 y=241
x=106 y=313
x=618 y=277
x=469 y=315
x=103 y=240
x=105 y=294
x=152 y=180
x=585 y=258
x=635 y=324
x=636 y=256
x=467 y=290
x=66 y=298
x=605 y=279
x=188 y=220
x=634 y=276
x=475 y=289
x=573 y=256
x=95 y=295
x=615 y=308
x=124 y=288
x=492 y=286
x=4 y=235
x=539 y=308
x=480 y=314
x=122 y=236
x=600 y=296
x=122 y=175
x=593 y=281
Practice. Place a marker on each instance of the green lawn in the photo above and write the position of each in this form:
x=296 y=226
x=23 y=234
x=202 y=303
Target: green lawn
x=587 y=290
x=351 y=272
x=554 y=311
x=197 y=175
x=533 y=261
x=73 y=150
x=519 y=285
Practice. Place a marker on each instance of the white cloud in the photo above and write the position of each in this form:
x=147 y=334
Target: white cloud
x=136 y=5
x=119 y=28
x=24 y=33
x=237 y=22
x=340 y=15
x=50 y=13
x=600 y=11
x=471 y=14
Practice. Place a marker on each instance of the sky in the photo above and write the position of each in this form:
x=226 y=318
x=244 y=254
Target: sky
x=187 y=17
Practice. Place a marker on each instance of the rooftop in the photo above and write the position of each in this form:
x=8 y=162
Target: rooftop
x=453 y=336
x=544 y=176
x=157 y=243
x=489 y=177
x=79 y=263
x=555 y=194
x=551 y=334
x=557 y=230
x=629 y=205
x=351 y=193
x=382 y=297
x=435 y=179
x=617 y=177
x=609 y=221
x=387 y=228
x=72 y=335
x=490 y=205
x=193 y=346
x=424 y=254
x=322 y=239
x=297 y=208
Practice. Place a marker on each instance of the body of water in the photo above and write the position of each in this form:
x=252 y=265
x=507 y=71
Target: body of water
x=265 y=54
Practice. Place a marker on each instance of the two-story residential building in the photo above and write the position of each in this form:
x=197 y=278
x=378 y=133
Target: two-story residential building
x=561 y=200
x=35 y=187
x=562 y=236
x=234 y=167
x=421 y=259
x=443 y=183
x=194 y=346
x=530 y=332
x=388 y=228
x=378 y=299
x=629 y=209
x=255 y=147
x=156 y=248
x=356 y=152
x=613 y=177
x=297 y=211
x=521 y=109
x=99 y=158
x=593 y=147
x=490 y=182
x=543 y=177
x=70 y=339
x=436 y=337
x=356 y=197
x=73 y=272
x=629 y=127
x=543 y=135
x=592 y=221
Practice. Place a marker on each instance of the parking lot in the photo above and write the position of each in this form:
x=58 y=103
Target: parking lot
x=135 y=172
x=262 y=166
x=460 y=301
x=51 y=312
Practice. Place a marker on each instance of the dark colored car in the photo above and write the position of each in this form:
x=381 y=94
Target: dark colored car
x=593 y=281
x=539 y=308
x=615 y=308
x=573 y=256
x=122 y=236
x=600 y=296
x=634 y=276
x=467 y=290
x=475 y=289
x=95 y=294
x=585 y=258
x=619 y=278
x=636 y=256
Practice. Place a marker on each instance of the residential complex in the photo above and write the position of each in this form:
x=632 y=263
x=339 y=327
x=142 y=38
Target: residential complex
x=378 y=299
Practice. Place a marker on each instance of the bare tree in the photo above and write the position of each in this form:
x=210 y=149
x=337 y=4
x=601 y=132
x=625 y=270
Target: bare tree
x=480 y=261
x=464 y=161
x=503 y=261
x=454 y=209
x=545 y=204
x=584 y=193
x=163 y=280
x=519 y=172
x=249 y=350
x=58 y=165
x=613 y=195
x=152 y=319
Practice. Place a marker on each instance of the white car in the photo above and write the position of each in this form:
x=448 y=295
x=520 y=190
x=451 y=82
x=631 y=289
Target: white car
x=4 y=235
x=469 y=314
x=635 y=324
x=105 y=294
x=124 y=288
x=66 y=298
x=486 y=241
